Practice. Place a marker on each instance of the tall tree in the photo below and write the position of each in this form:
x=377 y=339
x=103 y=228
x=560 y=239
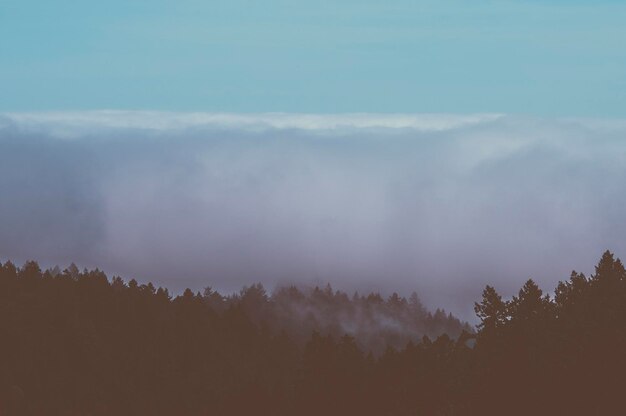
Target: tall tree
x=491 y=311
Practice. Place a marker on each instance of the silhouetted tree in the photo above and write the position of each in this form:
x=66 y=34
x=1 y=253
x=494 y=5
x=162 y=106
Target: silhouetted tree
x=491 y=311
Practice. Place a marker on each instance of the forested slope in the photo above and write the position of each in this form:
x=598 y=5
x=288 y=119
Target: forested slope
x=78 y=343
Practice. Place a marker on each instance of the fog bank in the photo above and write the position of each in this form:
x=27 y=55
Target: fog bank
x=441 y=204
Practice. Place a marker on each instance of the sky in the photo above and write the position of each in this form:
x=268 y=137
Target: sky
x=401 y=145
x=532 y=57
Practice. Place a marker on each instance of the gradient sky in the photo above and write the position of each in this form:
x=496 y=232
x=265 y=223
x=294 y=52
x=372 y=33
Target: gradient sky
x=547 y=58
x=431 y=145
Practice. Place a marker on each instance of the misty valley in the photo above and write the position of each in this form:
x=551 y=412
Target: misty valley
x=312 y=208
x=78 y=343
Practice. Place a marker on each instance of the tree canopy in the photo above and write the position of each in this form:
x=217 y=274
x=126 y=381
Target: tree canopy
x=77 y=342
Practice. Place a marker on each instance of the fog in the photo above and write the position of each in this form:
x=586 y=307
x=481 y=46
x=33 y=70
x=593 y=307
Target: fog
x=441 y=204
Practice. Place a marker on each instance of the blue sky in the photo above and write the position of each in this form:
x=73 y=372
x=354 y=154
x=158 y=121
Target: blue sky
x=547 y=58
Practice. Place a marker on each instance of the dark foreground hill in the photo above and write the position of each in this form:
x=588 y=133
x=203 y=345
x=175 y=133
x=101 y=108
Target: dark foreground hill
x=78 y=344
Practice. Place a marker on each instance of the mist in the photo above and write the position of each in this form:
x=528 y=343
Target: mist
x=440 y=204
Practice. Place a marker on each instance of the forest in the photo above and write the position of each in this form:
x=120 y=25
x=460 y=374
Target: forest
x=78 y=343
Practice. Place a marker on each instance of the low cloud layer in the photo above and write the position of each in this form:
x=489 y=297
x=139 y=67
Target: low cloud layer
x=437 y=203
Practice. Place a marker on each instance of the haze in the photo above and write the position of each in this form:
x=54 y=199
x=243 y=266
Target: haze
x=441 y=204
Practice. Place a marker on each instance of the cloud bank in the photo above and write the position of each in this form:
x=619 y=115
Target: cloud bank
x=438 y=203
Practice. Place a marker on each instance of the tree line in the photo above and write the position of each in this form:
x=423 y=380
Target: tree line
x=78 y=343
x=374 y=322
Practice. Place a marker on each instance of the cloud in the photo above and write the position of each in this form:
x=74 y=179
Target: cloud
x=439 y=203
x=74 y=124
